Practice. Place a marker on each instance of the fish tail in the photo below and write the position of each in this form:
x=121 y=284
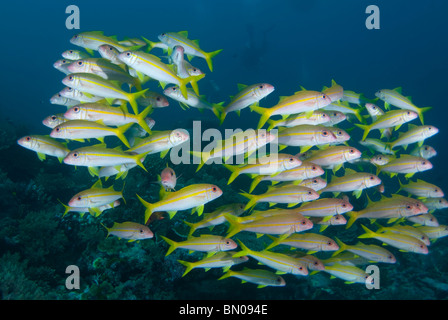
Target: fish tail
x=132 y=98
x=272 y=124
x=252 y=200
x=107 y=229
x=228 y=274
x=234 y=170
x=120 y=133
x=201 y=155
x=209 y=56
x=368 y=234
x=255 y=183
x=67 y=208
x=218 y=109
x=358 y=115
x=192 y=228
x=137 y=158
x=244 y=250
x=173 y=245
x=191 y=79
x=189 y=265
x=265 y=114
x=342 y=247
x=420 y=112
x=275 y=242
x=222 y=117
x=366 y=129
x=353 y=217
x=235 y=226
x=150 y=44
x=141 y=119
x=149 y=208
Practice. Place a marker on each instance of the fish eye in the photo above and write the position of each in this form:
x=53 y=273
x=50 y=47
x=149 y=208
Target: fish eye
x=324 y=96
x=70 y=78
x=300 y=268
x=313 y=168
x=329 y=243
x=76 y=109
x=111 y=49
x=158 y=98
x=291 y=159
x=351 y=151
x=53 y=118
x=28 y=138
x=340 y=133
x=371 y=178
x=194 y=69
x=227 y=242
x=440 y=201
x=423 y=162
x=57 y=129
x=303 y=222
x=174 y=88
x=214 y=189
x=324 y=133
x=75 y=36
x=315 y=181
x=436 y=190
x=128 y=54
x=141 y=230
x=261 y=86
x=310 y=193
x=75 y=155
x=80 y=63
x=79 y=198
x=59 y=95
x=344 y=205
x=408 y=207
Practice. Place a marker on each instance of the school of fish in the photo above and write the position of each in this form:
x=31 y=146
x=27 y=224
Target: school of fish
x=306 y=191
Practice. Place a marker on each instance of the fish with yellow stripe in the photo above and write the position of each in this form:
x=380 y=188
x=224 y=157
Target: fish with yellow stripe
x=91 y=40
x=194 y=196
x=302 y=101
x=92 y=84
x=43 y=146
x=261 y=277
x=204 y=243
x=223 y=259
x=129 y=230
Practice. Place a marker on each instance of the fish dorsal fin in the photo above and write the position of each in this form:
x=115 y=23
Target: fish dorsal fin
x=398 y=89
x=412 y=126
x=183 y=33
x=196 y=42
x=241 y=86
x=349 y=171
x=281 y=98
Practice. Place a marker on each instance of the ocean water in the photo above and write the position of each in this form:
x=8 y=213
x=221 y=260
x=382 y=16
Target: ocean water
x=288 y=44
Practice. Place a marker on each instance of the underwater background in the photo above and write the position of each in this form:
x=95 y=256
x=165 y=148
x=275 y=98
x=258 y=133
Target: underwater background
x=286 y=43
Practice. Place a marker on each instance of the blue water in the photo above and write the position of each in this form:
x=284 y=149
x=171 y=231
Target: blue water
x=286 y=43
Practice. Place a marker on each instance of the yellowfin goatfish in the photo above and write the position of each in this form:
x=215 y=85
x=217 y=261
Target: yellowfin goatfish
x=107 y=115
x=91 y=40
x=263 y=278
x=434 y=232
x=394 y=118
x=216 y=217
x=75 y=55
x=369 y=251
x=388 y=208
x=191 y=47
x=98 y=156
x=306 y=170
x=403 y=242
x=193 y=196
x=83 y=129
x=160 y=141
x=44 y=145
x=325 y=207
x=206 y=243
x=247 y=96
x=192 y=100
x=95 y=197
x=63 y=101
x=334 y=156
x=62 y=65
x=352 y=181
x=406 y=164
x=305 y=136
x=54 y=120
x=282 y=224
x=110 y=53
x=153 y=67
x=424 y=151
x=129 y=230
x=424 y=220
x=413 y=135
x=105 y=69
x=83 y=210
x=335 y=92
x=405 y=229
x=436 y=203
x=182 y=67
x=290 y=194
x=223 y=259
x=312 y=242
x=268 y=165
x=422 y=188
x=395 y=98
x=301 y=101
x=96 y=85
x=278 y=261
x=318 y=117
x=242 y=142
x=344 y=107
x=153 y=99
x=78 y=95
x=350 y=274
